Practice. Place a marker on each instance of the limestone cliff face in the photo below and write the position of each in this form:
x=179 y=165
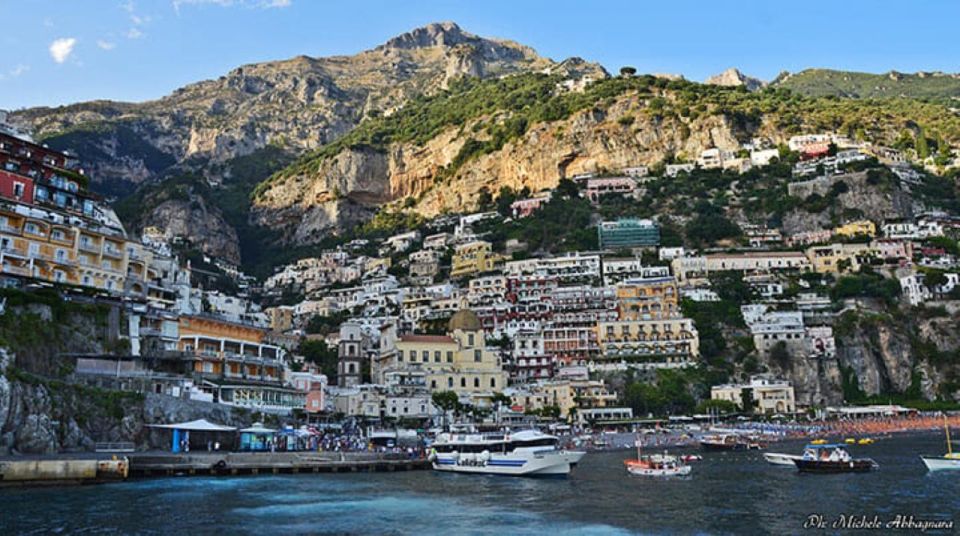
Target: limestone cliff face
x=311 y=204
x=200 y=224
x=733 y=77
x=300 y=103
x=877 y=352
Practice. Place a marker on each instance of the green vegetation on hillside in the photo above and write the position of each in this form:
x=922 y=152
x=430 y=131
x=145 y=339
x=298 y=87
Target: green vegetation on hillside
x=827 y=82
x=507 y=107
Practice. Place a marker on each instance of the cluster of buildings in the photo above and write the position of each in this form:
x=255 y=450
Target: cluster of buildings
x=173 y=337
x=439 y=309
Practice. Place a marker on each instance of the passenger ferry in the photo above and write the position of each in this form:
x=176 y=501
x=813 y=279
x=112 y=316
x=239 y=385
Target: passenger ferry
x=524 y=453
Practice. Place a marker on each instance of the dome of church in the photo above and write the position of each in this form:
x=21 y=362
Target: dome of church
x=464 y=320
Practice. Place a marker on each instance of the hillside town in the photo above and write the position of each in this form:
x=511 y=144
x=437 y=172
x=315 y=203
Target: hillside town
x=376 y=329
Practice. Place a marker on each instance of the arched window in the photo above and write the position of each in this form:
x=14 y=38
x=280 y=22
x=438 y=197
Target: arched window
x=493 y=383
x=463 y=382
x=476 y=382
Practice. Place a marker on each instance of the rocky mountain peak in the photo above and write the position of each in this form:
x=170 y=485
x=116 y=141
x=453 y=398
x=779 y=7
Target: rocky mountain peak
x=436 y=34
x=733 y=77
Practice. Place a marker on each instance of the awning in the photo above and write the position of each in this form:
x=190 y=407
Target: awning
x=199 y=425
x=257 y=430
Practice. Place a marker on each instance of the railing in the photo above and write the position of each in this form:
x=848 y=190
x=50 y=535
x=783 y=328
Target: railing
x=118 y=446
x=91 y=248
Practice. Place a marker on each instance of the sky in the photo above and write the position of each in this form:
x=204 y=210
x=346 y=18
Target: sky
x=59 y=52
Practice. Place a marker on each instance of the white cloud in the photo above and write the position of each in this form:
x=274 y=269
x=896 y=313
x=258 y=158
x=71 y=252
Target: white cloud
x=15 y=72
x=106 y=45
x=127 y=6
x=134 y=33
x=61 y=49
x=254 y=4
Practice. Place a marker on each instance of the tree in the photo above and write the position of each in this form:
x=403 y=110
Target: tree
x=322 y=355
x=447 y=401
x=780 y=355
x=746 y=399
x=506 y=198
x=627 y=71
x=923 y=149
x=484 y=199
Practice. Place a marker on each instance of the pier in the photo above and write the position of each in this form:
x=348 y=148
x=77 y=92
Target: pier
x=262 y=463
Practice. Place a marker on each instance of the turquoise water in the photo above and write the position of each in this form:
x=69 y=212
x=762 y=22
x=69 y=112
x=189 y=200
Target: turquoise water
x=727 y=493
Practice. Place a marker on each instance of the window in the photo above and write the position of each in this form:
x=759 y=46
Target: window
x=433 y=384
x=18 y=190
x=449 y=356
x=400 y=355
x=34 y=250
x=477 y=356
x=57 y=234
x=426 y=356
x=436 y=356
x=463 y=382
x=61 y=255
x=450 y=382
x=493 y=383
x=31 y=228
x=470 y=339
x=59 y=276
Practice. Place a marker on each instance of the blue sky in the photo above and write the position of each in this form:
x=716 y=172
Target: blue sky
x=57 y=52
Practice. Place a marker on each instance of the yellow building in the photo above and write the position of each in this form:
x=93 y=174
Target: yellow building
x=229 y=349
x=567 y=395
x=857 y=228
x=473 y=258
x=657 y=343
x=768 y=395
x=837 y=258
x=458 y=362
x=653 y=296
x=33 y=247
x=40 y=247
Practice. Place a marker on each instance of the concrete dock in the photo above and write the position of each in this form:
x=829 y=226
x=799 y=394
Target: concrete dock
x=157 y=464
x=31 y=471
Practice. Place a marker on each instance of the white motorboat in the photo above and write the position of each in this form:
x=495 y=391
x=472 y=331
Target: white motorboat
x=656 y=464
x=777 y=458
x=949 y=461
x=524 y=453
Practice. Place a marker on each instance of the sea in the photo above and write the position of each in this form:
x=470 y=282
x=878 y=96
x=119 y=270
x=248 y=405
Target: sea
x=727 y=493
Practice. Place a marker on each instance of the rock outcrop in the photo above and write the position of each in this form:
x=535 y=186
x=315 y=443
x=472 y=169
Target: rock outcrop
x=733 y=77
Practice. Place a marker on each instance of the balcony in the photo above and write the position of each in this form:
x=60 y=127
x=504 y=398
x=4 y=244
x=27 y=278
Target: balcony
x=7 y=228
x=112 y=252
x=89 y=247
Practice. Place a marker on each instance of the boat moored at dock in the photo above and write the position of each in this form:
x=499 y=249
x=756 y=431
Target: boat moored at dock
x=524 y=453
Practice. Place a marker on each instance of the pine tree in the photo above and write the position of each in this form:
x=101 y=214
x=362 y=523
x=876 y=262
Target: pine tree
x=923 y=150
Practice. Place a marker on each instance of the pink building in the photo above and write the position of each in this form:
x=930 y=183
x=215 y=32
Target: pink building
x=524 y=207
x=598 y=187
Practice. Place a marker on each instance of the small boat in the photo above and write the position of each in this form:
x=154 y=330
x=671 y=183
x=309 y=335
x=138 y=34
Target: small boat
x=865 y=441
x=728 y=442
x=819 y=442
x=776 y=458
x=950 y=460
x=832 y=459
x=850 y=441
x=687 y=458
x=657 y=465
